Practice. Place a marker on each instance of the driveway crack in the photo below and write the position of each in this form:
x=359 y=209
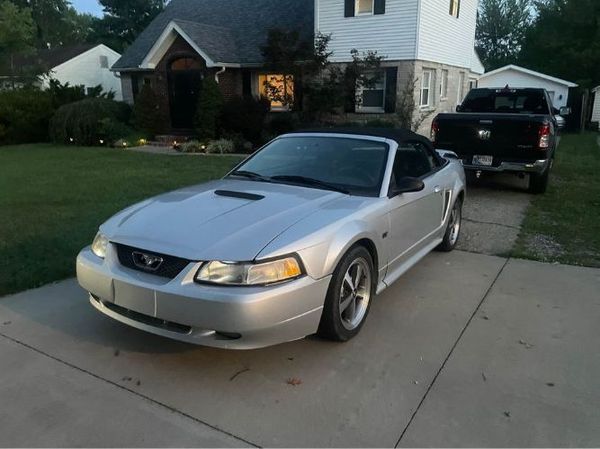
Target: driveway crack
x=136 y=393
x=430 y=386
x=491 y=223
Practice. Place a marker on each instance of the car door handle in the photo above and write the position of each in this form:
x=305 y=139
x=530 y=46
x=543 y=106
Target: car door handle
x=437 y=189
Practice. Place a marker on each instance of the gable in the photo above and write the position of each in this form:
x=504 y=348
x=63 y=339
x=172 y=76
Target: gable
x=224 y=31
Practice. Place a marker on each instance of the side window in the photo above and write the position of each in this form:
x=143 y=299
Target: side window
x=413 y=159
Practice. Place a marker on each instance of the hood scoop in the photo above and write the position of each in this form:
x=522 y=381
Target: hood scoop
x=240 y=195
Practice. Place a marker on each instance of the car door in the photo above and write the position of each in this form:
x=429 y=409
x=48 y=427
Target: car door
x=415 y=217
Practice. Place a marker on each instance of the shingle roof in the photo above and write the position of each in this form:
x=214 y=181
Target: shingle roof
x=48 y=59
x=230 y=31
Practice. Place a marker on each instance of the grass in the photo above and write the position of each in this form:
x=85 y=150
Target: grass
x=564 y=224
x=53 y=198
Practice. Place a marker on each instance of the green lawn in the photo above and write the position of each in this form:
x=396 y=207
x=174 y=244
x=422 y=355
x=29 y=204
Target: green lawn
x=53 y=198
x=564 y=224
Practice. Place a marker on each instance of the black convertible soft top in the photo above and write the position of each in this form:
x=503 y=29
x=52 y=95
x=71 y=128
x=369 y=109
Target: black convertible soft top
x=397 y=134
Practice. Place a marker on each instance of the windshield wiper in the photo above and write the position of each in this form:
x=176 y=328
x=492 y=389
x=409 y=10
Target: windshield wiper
x=310 y=182
x=250 y=175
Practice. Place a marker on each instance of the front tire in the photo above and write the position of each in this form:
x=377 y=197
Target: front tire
x=349 y=296
x=453 y=230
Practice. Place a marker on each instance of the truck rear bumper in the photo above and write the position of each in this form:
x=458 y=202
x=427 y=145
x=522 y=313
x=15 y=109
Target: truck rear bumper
x=538 y=166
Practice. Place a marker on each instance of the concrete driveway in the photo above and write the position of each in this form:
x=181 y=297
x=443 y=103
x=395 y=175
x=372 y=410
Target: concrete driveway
x=466 y=349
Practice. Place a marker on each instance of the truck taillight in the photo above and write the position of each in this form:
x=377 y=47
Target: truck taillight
x=435 y=127
x=544 y=134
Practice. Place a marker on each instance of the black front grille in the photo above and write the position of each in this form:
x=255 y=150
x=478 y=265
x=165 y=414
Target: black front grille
x=147 y=319
x=170 y=267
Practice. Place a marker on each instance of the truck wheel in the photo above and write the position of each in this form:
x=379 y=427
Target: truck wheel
x=538 y=183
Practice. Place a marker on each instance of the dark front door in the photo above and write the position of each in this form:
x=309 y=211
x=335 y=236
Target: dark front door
x=185 y=83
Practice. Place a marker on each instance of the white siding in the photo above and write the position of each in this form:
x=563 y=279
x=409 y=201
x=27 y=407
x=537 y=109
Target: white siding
x=596 y=108
x=558 y=92
x=444 y=38
x=392 y=34
x=85 y=70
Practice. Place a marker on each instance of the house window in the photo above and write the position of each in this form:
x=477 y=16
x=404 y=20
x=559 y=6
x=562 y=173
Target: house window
x=444 y=85
x=460 y=93
x=371 y=98
x=278 y=88
x=472 y=83
x=426 y=94
x=103 y=62
x=364 y=7
x=454 y=8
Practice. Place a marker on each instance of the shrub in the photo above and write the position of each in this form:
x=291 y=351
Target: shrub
x=220 y=146
x=246 y=116
x=88 y=121
x=210 y=107
x=193 y=146
x=24 y=115
x=380 y=123
x=148 y=116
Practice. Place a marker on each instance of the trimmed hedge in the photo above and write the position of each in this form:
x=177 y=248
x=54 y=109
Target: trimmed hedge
x=24 y=115
x=88 y=121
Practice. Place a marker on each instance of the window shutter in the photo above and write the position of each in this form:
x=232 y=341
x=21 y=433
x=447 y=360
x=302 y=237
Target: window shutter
x=349 y=8
x=379 y=7
x=246 y=83
x=391 y=79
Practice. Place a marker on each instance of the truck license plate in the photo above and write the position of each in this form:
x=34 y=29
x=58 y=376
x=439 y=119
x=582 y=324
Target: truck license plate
x=482 y=160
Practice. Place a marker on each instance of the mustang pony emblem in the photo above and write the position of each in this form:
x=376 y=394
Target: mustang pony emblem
x=484 y=134
x=146 y=261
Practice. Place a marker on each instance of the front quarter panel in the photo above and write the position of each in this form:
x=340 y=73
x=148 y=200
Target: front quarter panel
x=323 y=238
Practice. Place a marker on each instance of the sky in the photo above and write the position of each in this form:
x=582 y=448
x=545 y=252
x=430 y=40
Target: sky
x=89 y=6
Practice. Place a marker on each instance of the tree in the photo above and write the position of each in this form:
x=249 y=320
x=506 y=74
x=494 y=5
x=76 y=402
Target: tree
x=17 y=32
x=210 y=106
x=501 y=29
x=124 y=20
x=564 y=41
x=147 y=112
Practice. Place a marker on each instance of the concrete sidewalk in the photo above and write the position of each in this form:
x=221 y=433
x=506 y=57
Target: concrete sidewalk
x=465 y=349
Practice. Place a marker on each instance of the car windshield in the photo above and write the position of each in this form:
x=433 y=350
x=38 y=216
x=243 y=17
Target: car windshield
x=349 y=165
x=506 y=101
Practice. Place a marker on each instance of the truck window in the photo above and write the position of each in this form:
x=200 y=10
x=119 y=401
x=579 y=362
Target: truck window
x=506 y=101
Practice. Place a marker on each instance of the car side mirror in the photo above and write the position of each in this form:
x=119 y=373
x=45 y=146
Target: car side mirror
x=406 y=185
x=564 y=111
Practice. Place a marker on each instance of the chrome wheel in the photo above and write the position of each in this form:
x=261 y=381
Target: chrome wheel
x=454 y=223
x=355 y=294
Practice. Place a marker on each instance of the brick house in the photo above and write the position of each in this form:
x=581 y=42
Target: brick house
x=431 y=41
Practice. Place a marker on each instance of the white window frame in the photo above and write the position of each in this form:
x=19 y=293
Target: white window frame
x=369 y=13
x=444 y=85
x=373 y=109
x=103 y=61
x=427 y=88
x=461 y=87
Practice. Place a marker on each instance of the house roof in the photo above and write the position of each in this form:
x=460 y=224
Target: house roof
x=529 y=72
x=48 y=59
x=228 y=31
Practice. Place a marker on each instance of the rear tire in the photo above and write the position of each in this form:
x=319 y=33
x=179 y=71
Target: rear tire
x=349 y=296
x=538 y=183
x=453 y=229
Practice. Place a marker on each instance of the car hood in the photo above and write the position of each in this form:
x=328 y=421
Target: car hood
x=218 y=220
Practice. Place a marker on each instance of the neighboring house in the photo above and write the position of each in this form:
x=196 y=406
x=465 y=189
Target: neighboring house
x=80 y=65
x=430 y=41
x=515 y=76
x=596 y=106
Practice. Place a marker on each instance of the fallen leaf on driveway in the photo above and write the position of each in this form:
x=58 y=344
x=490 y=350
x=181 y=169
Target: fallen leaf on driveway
x=483 y=376
x=524 y=343
x=117 y=352
x=294 y=381
x=507 y=414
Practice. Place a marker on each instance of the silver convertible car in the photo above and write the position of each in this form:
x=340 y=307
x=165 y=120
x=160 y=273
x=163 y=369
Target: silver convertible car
x=296 y=240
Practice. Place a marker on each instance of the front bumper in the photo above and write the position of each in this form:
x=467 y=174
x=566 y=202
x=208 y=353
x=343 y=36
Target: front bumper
x=179 y=308
x=538 y=166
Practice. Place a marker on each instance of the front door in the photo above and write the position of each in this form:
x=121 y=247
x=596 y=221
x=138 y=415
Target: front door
x=185 y=83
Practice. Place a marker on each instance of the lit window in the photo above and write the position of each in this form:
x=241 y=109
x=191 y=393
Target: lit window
x=426 y=88
x=372 y=97
x=444 y=84
x=277 y=88
x=364 y=7
x=104 y=62
x=454 y=8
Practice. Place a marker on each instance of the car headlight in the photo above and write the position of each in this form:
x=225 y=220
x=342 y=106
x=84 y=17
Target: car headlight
x=99 y=245
x=249 y=273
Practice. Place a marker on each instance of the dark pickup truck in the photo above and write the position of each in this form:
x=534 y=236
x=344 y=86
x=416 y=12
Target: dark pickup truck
x=502 y=130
